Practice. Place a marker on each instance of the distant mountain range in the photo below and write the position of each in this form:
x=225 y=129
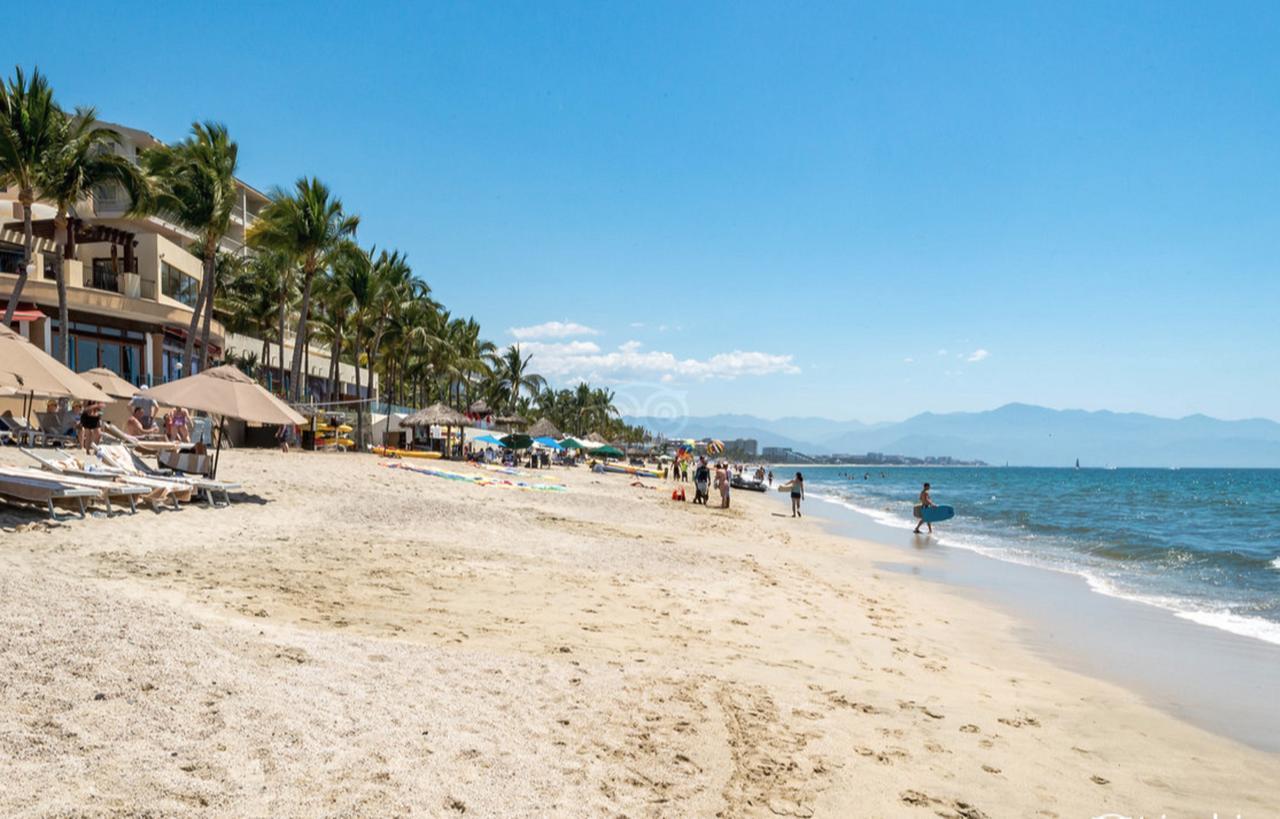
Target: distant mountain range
x=1019 y=434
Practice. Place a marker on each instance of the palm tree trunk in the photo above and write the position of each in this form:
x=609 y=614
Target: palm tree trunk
x=355 y=346
x=284 y=307
x=300 y=339
x=189 y=347
x=208 y=317
x=26 y=198
x=60 y=350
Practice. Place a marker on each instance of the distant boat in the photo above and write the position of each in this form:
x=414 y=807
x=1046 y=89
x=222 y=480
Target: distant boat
x=1077 y=463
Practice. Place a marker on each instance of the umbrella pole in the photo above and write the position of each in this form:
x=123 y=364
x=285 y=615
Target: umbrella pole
x=217 y=452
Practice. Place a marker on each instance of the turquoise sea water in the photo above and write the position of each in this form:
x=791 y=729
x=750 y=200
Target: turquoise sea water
x=1202 y=543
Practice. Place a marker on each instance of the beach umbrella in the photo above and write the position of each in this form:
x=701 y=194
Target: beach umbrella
x=715 y=447
x=32 y=372
x=227 y=393
x=110 y=383
x=548 y=442
x=570 y=443
x=517 y=440
x=607 y=451
x=543 y=428
x=489 y=439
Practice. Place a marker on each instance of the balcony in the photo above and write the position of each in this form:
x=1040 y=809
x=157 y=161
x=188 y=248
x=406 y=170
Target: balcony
x=128 y=284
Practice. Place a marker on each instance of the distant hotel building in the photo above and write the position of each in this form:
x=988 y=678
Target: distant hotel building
x=784 y=455
x=744 y=448
x=131 y=284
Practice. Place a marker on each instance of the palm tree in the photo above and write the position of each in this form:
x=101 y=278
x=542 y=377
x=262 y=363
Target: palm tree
x=79 y=160
x=364 y=285
x=308 y=226
x=29 y=120
x=248 y=300
x=195 y=186
x=395 y=280
x=511 y=371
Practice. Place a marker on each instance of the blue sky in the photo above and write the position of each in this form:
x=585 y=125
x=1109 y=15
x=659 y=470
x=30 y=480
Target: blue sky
x=841 y=210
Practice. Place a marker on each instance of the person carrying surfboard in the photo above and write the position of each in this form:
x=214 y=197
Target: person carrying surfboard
x=925 y=502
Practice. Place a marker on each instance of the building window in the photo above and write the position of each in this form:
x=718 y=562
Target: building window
x=178 y=285
x=106 y=275
x=121 y=351
x=51 y=266
x=10 y=258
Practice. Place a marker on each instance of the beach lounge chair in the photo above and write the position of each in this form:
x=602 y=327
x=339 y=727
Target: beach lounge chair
x=56 y=431
x=106 y=488
x=111 y=484
x=142 y=443
x=127 y=462
x=35 y=488
x=21 y=430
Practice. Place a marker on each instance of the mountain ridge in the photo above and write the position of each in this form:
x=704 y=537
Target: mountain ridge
x=1017 y=433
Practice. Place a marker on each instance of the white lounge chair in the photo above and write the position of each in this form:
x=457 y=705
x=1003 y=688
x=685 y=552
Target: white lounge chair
x=35 y=488
x=106 y=489
x=127 y=462
x=110 y=484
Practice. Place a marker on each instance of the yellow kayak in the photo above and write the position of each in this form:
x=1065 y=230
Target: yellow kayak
x=387 y=452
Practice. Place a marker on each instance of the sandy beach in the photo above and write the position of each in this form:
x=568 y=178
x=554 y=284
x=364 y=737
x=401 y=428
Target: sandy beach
x=350 y=639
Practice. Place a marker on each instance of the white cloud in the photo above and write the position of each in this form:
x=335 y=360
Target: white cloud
x=585 y=360
x=637 y=324
x=544 y=350
x=977 y=355
x=553 y=329
x=942 y=352
x=908 y=360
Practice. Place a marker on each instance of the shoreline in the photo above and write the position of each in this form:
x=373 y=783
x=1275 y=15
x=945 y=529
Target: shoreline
x=353 y=639
x=1210 y=676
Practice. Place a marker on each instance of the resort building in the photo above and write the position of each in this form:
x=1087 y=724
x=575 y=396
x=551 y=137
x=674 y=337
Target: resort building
x=131 y=284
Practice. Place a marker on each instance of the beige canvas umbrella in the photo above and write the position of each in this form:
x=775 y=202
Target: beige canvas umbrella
x=227 y=393
x=33 y=372
x=110 y=383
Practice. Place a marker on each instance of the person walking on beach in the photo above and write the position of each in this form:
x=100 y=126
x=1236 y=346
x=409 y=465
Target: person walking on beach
x=797 y=494
x=91 y=426
x=725 y=481
x=701 y=482
x=925 y=502
x=770 y=477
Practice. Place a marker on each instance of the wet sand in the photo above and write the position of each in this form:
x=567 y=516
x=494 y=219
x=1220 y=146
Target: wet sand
x=356 y=640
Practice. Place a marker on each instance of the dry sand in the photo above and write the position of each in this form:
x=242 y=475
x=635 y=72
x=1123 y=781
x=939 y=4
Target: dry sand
x=357 y=640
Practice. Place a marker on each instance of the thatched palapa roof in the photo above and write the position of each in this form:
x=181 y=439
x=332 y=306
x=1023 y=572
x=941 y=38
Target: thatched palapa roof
x=543 y=429
x=512 y=420
x=436 y=415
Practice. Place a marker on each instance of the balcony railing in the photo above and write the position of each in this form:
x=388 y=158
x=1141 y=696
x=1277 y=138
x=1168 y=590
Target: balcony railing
x=129 y=285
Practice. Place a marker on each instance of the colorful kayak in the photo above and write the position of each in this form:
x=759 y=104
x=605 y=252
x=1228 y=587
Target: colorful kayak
x=387 y=452
x=637 y=471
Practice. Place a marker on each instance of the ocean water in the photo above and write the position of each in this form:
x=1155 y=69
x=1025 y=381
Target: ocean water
x=1202 y=543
